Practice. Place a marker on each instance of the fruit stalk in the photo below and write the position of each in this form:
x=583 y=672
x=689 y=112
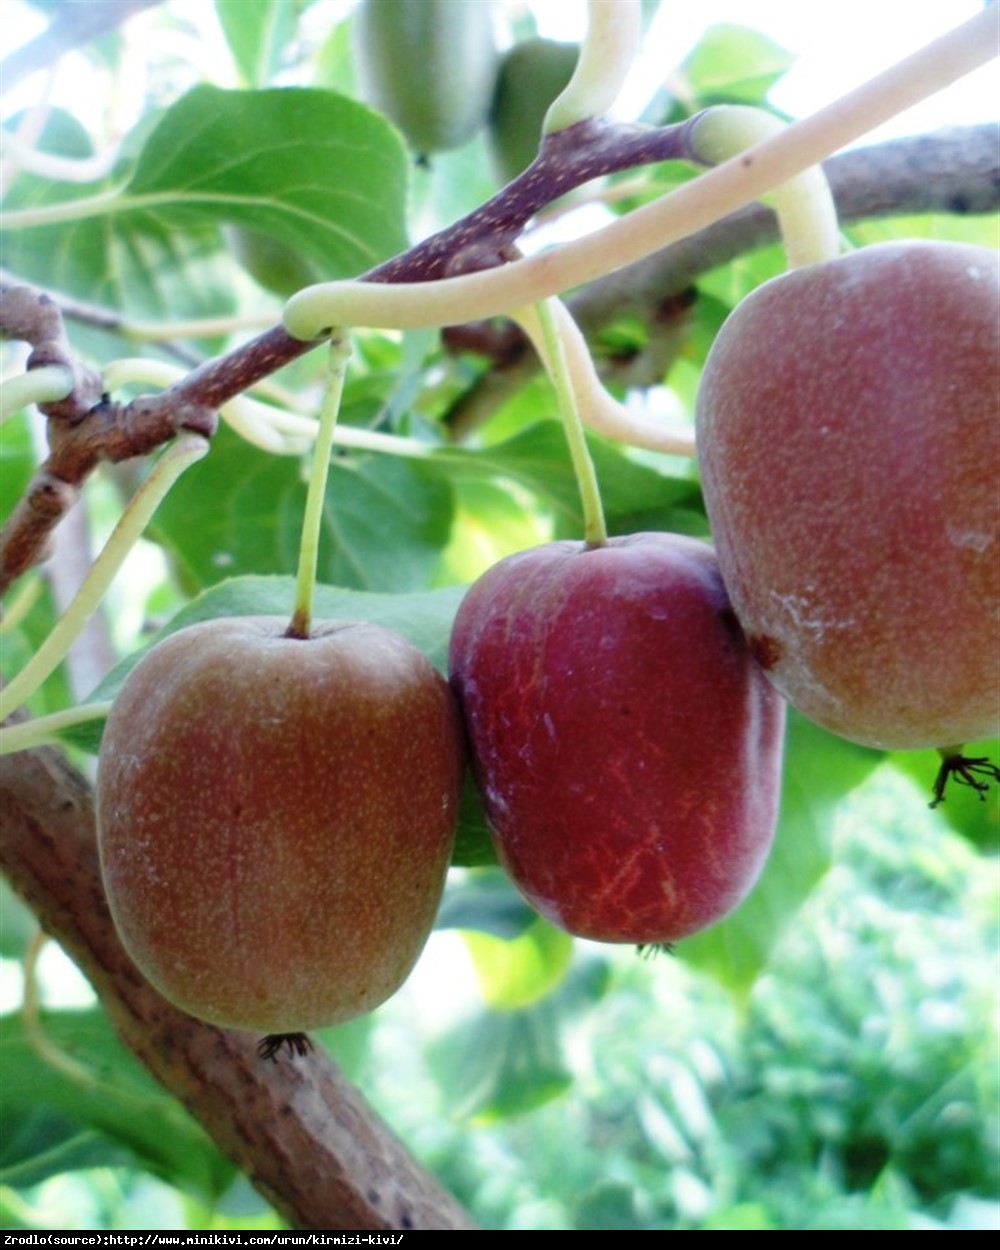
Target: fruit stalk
x=607 y=54
x=280 y=430
x=261 y=424
x=339 y=354
x=597 y=408
x=543 y=325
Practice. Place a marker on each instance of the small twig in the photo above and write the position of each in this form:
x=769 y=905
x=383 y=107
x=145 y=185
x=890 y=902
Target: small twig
x=32 y=317
x=567 y=160
x=691 y=206
x=111 y=319
x=168 y=467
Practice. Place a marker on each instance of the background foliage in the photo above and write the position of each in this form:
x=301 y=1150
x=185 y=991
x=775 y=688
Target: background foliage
x=827 y=1058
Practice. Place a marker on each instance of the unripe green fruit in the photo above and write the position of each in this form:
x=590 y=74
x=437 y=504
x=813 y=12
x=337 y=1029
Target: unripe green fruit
x=429 y=65
x=276 y=816
x=532 y=74
x=271 y=263
x=849 y=440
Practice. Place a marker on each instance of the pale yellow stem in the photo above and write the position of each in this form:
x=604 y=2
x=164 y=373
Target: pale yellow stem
x=46 y=729
x=167 y=469
x=608 y=52
x=804 y=205
x=544 y=327
x=312 y=521
x=44 y=385
x=598 y=409
x=273 y=429
x=24 y=600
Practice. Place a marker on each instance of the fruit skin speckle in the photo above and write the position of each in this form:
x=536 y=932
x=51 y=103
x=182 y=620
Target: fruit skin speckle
x=627 y=746
x=848 y=435
x=276 y=817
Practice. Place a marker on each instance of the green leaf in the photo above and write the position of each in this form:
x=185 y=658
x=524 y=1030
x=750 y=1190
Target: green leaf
x=491 y=522
x=39 y=1144
x=609 y=1206
x=17 y=462
x=485 y=902
x=18 y=924
x=307 y=167
x=48 y=1111
x=135 y=264
x=239 y=511
x=742 y=1217
x=423 y=617
x=518 y=972
x=473 y=844
x=538 y=459
x=257 y=35
x=20 y=641
x=320 y=172
x=501 y=1064
x=734 y=64
x=819 y=771
x=387 y=522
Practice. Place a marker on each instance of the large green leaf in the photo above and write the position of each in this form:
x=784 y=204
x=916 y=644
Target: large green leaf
x=518 y=972
x=320 y=172
x=148 y=271
x=485 y=902
x=18 y=461
x=422 y=617
x=473 y=845
x=239 y=511
x=499 y=1064
x=307 y=167
x=137 y=265
x=17 y=923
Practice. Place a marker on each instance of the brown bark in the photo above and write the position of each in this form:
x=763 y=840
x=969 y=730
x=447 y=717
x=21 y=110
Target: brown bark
x=300 y=1131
